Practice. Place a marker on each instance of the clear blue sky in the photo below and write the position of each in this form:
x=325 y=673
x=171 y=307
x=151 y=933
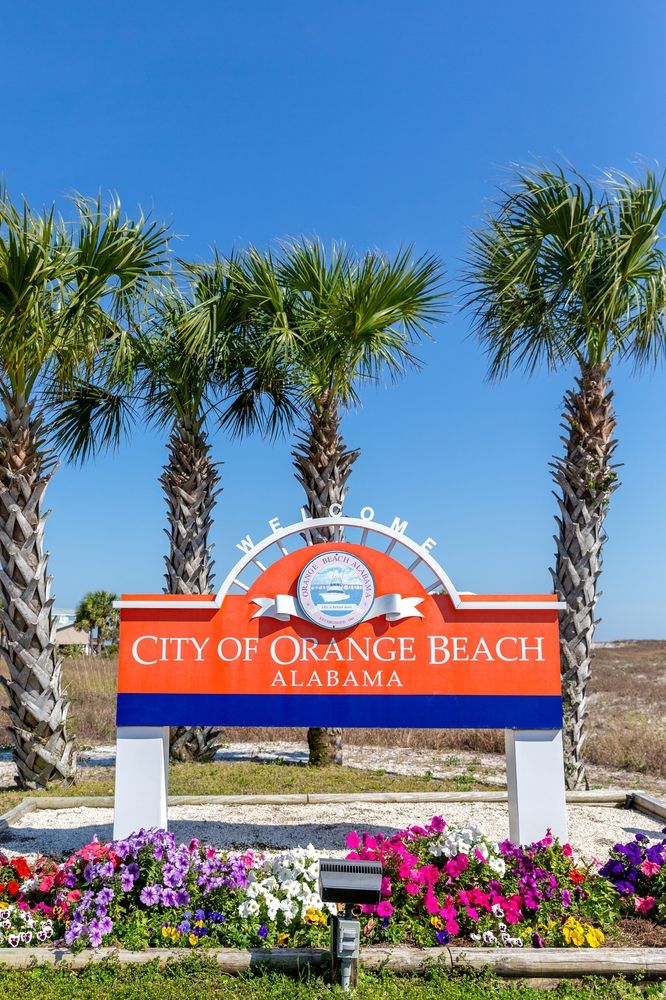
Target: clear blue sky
x=378 y=123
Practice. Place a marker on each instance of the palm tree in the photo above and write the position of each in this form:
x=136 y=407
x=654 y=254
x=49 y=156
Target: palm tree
x=197 y=365
x=562 y=274
x=96 y=614
x=67 y=290
x=340 y=321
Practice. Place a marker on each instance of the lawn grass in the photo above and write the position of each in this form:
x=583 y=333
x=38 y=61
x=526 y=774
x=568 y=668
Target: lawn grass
x=246 y=778
x=197 y=979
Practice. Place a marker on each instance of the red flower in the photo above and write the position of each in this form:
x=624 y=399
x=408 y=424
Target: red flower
x=576 y=877
x=13 y=888
x=21 y=867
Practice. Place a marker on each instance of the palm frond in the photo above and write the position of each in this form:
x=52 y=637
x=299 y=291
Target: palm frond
x=560 y=273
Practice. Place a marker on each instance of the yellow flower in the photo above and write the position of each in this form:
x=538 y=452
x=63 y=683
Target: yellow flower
x=4 y=906
x=437 y=923
x=282 y=940
x=573 y=932
x=312 y=916
x=594 y=936
x=166 y=932
x=194 y=940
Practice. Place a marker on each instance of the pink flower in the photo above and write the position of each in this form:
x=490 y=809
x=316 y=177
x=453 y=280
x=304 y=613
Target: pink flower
x=429 y=874
x=567 y=850
x=386 y=886
x=437 y=824
x=649 y=868
x=644 y=905
x=352 y=840
x=431 y=904
x=479 y=856
x=456 y=866
x=452 y=927
x=384 y=909
x=412 y=889
x=371 y=843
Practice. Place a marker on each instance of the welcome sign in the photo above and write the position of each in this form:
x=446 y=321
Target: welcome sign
x=340 y=634
x=364 y=630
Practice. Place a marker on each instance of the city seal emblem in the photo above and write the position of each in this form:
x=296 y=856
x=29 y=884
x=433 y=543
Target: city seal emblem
x=336 y=590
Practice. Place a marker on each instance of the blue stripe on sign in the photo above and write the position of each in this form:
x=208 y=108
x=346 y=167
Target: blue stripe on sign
x=348 y=711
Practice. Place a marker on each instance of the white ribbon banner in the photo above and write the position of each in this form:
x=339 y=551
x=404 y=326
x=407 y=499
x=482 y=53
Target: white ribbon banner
x=392 y=606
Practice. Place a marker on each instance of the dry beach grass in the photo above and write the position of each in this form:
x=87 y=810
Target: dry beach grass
x=627 y=713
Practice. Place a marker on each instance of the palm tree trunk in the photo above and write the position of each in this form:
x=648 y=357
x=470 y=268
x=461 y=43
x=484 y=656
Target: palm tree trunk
x=586 y=478
x=189 y=482
x=323 y=464
x=44 y=751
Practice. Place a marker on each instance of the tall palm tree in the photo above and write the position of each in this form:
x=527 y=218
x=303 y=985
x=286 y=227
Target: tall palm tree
x=341 y=321
x=564 y=274
x=198 y=365
x=66 y=291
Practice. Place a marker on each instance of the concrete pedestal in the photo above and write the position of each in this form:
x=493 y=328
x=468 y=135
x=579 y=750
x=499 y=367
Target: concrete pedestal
x=142 y=779
x=535 y=783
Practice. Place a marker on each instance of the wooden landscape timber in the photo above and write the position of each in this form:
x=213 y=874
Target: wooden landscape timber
x=545 y=964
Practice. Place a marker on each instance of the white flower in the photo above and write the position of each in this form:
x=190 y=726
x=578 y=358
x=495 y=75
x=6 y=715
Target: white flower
x=489 y=937
x=497 y=910
x=517 y=942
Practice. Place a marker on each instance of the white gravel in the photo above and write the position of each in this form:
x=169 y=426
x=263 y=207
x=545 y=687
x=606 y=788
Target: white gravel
x=593 y=829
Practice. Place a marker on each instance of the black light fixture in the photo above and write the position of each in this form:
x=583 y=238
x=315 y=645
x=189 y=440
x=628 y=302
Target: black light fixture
x=351 y=883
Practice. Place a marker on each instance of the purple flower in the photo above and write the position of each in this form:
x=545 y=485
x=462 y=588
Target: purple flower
x=94 y=936
x=184 y=926
x=126 y=881
x=443 y=937
x=538 y=941
x=150 y=895
x=122 y=848
x=172 y=876
x=566 y=898
x=182 y=897
x=104 y=896
x=263 y=932
x=106 y=925
x=107 y=870
x=168 y=897
x=89 y=871
x=73 y=932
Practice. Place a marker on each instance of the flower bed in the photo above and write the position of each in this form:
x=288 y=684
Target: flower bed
x=440 y=885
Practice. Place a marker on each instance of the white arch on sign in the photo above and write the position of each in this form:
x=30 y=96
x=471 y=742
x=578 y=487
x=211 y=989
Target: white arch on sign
x=365 y=525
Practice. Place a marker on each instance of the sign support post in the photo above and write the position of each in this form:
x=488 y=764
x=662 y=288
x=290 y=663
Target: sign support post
x=142 y=778
x=535 y=784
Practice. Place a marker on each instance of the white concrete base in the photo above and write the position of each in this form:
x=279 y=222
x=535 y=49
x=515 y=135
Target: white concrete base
x=142 y=779
x=535 y=783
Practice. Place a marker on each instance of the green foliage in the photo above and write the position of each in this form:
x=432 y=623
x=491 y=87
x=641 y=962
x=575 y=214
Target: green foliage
x=197 y=977
x=337 y=320
x=96 y=614
x=563 y=272
x=69 y=291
